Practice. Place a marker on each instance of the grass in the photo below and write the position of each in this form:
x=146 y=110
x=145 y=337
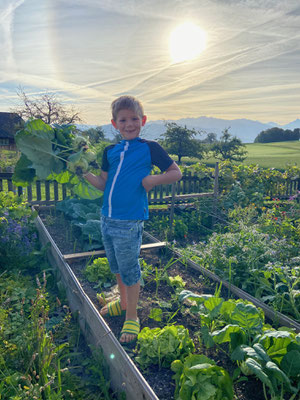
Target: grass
x=268 y=155
x=273 y=155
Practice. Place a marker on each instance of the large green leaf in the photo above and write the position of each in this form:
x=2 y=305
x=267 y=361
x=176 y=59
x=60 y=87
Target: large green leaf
x=213 y=304
x=227 y=309
x=261 y=352
x=224 y=335
x=276 y=343
x=86 y=191
x=62 y=177
x=277 y=372
x=24 y=174
x=247 y=316
x=91 y=229
x=35 y=141
x=257 y=369
x=290 y=363
x=187 y=294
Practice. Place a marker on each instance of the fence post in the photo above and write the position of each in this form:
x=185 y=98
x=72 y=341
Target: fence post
x=172 y=205
x=216 y=194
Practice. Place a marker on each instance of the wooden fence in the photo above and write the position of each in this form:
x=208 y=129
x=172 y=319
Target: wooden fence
x=49 y=192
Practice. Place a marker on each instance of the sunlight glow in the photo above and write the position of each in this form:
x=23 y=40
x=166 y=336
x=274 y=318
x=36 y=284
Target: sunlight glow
x=187 y=41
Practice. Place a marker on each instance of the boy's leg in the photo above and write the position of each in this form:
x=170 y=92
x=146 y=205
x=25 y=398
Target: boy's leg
x=122 y=241
x=123 y=296
x=133 y=293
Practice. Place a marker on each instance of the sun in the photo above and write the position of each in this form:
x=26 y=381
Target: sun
x=187 y=41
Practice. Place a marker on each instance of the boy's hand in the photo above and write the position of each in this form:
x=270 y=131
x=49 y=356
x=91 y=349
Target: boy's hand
x=148 y=182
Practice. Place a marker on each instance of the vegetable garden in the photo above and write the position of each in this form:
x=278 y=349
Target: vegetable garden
x=198 y=339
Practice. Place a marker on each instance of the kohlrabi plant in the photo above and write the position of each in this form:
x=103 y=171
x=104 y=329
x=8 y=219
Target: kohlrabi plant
x=54 y=152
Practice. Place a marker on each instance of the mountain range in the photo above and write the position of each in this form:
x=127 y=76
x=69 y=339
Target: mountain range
x=244 y=129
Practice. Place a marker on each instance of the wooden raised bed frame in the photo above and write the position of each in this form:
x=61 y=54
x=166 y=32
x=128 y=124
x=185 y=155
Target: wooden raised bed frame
x=124 y=375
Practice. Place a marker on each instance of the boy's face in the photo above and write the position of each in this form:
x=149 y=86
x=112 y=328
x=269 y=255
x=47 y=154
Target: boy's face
x=129 y=123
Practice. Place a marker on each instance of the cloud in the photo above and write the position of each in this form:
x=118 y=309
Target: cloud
x=6 y=30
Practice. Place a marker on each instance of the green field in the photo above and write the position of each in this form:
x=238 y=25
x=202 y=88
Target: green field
x=273 y=155
x=268 y=155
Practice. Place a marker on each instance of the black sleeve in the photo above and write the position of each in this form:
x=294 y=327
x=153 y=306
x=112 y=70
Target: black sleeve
x=159 y=156
x=105 y=163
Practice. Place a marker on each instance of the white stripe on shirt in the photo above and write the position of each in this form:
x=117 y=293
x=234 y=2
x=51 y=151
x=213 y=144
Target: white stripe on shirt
x=115 y=178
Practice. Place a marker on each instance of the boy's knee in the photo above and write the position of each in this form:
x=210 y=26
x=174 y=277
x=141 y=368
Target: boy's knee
x=131 y=276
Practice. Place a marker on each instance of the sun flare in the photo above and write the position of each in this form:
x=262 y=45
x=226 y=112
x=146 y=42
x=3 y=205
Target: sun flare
x=187 y=41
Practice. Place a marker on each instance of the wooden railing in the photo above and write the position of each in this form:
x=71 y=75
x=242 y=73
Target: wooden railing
x=190 y=186
x=48 y=192
x=40 y=192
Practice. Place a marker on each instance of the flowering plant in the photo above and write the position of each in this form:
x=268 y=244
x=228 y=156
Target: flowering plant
x=17 y=230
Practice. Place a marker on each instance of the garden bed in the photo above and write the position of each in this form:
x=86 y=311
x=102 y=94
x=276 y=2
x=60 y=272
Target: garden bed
x=155 y=294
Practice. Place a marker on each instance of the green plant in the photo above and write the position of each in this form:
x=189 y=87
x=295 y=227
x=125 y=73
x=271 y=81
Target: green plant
x=160 y=274
x=53 y=152
x=275 y=361
x=162 y=346
x=85 y=216
x=99 y=271
x=147 y=270
x=17 y=231
x=176 y=281
x=198 y=377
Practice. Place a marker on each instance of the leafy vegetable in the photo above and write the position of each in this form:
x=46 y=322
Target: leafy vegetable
x=99 y=271
x=85 y=215
x=199 y=378
x=162 y=346
x=257 y=361
x=53 y=153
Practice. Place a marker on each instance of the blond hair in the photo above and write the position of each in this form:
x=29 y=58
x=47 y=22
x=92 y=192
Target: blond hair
x=126 y=103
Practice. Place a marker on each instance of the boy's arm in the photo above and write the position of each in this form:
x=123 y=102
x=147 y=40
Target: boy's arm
x=98 y=181
x=172 y=174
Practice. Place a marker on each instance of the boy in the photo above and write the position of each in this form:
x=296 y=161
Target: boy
x=125 y=179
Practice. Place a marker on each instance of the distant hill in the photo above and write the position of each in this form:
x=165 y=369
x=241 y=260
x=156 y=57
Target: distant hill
x=244 y=129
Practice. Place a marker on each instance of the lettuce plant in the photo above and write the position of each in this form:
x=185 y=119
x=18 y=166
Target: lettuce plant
x=162 y=346
x=197 y=377
x=99 y=271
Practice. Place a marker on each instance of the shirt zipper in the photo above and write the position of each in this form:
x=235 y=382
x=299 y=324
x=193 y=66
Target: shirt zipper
x=122 y=154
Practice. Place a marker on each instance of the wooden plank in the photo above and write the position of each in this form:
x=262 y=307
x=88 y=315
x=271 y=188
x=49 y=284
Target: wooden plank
x=189 y=196
x=47 y=190
x=64 y=191
x=38 y=191
x=172 y=206
x=29 y=193
x=55 y=185
x=124 y=375
x=101 y=253
x=9 y=185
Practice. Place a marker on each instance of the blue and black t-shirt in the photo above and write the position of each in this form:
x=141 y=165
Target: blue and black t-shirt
x=127 y=163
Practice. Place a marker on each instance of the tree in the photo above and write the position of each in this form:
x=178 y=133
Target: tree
x=181 y=141
x=210 y=138
x=277 y=135
x=229 y=148
x=95 y=135
x=46 y=107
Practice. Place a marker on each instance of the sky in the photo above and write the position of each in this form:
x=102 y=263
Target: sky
x=89 y=52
